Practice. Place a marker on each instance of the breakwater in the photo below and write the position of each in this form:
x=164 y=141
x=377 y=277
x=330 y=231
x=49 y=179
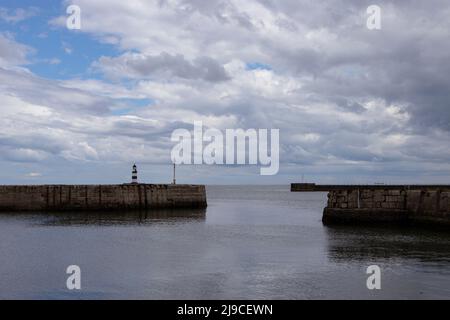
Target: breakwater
x=403 y=204
x=100 y=197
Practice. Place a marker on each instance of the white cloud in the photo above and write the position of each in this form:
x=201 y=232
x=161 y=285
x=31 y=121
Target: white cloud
x=17 y=15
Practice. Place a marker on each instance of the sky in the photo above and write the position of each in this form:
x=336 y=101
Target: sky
x=353 y=105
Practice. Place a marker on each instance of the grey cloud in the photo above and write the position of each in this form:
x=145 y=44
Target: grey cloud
x=11 y=52
x=225 y=12
x=145 y=67
x=22 y=155
x=349 y=105
x=405 y=63
x=49 y=93
x=36 y=142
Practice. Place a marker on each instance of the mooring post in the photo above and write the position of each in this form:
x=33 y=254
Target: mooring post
x=174 y=180
x=358 y=200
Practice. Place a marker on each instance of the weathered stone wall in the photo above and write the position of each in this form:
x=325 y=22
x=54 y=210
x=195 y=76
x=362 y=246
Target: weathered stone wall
x=429 y=205
x=367 y=199
x=98 y=197
x=402 y=205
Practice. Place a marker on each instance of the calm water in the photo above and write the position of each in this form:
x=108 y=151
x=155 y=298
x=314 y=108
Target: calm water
x=251 y=243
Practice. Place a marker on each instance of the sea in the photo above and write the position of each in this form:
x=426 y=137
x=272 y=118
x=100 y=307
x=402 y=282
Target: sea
x=252 y=242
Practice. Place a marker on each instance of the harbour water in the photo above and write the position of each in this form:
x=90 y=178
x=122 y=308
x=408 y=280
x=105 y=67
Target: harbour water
x=252 y=242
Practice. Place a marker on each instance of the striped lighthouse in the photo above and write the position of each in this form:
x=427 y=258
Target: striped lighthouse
x=134 y=175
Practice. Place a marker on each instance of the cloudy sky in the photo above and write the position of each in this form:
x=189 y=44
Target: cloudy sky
x=353 y=105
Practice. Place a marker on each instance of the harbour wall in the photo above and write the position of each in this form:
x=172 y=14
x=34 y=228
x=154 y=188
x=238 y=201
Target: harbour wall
x=418 y=204
x=100 y=197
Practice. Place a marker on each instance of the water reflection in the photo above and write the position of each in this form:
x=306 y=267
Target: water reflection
x=108 y=218
x=345 y=244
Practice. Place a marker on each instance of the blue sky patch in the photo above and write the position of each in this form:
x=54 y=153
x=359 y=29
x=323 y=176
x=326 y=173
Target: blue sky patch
x=258 y=66
x=58 y=53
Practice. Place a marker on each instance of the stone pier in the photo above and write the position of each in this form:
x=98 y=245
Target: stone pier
x=100 y=197
x=402 y=204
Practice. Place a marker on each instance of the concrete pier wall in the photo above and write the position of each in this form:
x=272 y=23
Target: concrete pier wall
x=400 y=205
x=100 y=197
